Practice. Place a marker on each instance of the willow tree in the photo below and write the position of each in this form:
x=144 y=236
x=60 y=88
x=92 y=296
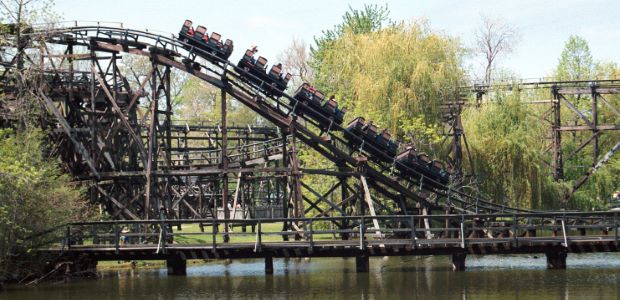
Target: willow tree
x=397 y=76
x=370 y=19
x=505 y=139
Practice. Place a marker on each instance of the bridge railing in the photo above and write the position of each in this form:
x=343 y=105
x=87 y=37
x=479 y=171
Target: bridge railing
x=363 y=231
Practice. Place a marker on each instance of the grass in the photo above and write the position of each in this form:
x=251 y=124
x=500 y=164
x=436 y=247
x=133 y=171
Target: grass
x=271 y=232
x=192 y=234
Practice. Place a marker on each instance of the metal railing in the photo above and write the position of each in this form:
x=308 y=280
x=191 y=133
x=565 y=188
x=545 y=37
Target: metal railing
x=459 y=231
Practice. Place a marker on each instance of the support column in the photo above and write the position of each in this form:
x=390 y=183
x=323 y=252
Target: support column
x=344 y=194
x=151 y=160
x=595 y=144
x=285 y=195
x=224 y=157
x=362 y=263
x=298 y=202
x=457 y=148
x=558 y=167
x=269 y=264
x=556 y=260
x=176 y=265
x=458 y=261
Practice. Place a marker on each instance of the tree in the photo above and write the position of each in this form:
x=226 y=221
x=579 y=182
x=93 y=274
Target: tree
x=493 y=38
x=18 y=15
x=296 y=60
x=370 y=19
x=34 y=196
x=200 y=102
x=135 y=67
x=399 y=82
x=576 y=61
x=508 y=156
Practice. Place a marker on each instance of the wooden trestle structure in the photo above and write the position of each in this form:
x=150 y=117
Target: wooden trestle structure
x=117 y=134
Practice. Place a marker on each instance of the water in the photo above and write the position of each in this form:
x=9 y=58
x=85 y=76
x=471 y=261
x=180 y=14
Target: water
x=592 y=276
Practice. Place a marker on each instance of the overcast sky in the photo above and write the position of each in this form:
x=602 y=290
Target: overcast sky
x=544 y=25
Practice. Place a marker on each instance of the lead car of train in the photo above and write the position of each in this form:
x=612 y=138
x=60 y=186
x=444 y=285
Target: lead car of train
x=308 y=101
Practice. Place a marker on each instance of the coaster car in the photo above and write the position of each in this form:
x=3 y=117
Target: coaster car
x=381 y=146
x=324 y=112
x=199 y=38
x=273 y=83
x=412 y=163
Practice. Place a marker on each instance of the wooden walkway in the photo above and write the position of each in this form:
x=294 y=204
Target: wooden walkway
x=552 y=234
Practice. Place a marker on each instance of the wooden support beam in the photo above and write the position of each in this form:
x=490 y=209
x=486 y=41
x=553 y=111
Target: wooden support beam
x=323 y=197
x=122 y=116
x=576 y=111
x=609 y=105
x=236 y=196
x=427 y=224
x=117 y=203
x=588 y=128
x=371 y=206
x=67 y=129
x=592 y=170
x=587 y=90
x=583 y=145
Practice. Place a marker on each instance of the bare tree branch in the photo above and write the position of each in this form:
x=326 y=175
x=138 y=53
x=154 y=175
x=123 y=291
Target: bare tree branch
x=493 y=38
x=296 y=60
x=8 y=10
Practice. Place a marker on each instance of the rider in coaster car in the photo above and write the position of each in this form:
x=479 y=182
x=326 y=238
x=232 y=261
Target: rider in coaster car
x=254 y=50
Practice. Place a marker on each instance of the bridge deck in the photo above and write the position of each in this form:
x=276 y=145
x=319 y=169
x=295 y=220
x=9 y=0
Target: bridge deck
x=345 y=248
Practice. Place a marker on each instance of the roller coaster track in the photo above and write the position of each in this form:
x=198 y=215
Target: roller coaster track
x=404 y=190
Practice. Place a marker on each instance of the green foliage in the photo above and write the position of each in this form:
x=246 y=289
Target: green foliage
x=576 y=61
x=370 y=19
x=397 y=77
x=508 y=155
x=509 y=147
x=35 y=195
x=198 y=101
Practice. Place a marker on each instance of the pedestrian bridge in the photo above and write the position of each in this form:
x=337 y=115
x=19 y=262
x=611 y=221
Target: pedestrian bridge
x=554 y=234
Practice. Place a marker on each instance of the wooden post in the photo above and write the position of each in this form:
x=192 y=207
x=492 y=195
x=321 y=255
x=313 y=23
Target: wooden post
x=236 y=199
x=371 y=207
x=595 y=144
x=556 y=260
x=458 y=261
x=268 y=264
x=427 y=225
x=362 y=263
x=224 y=162
x=176 y=265
x=558 y=172
x=344 y=194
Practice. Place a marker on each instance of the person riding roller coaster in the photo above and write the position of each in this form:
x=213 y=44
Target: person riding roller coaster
x=254 y=50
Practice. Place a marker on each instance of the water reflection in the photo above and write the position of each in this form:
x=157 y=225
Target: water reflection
x=488 y=277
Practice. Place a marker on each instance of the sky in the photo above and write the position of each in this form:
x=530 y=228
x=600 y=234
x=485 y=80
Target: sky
x=544 y=26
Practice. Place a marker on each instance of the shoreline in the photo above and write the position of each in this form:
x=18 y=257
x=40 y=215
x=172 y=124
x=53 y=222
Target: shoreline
x=103 y=266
